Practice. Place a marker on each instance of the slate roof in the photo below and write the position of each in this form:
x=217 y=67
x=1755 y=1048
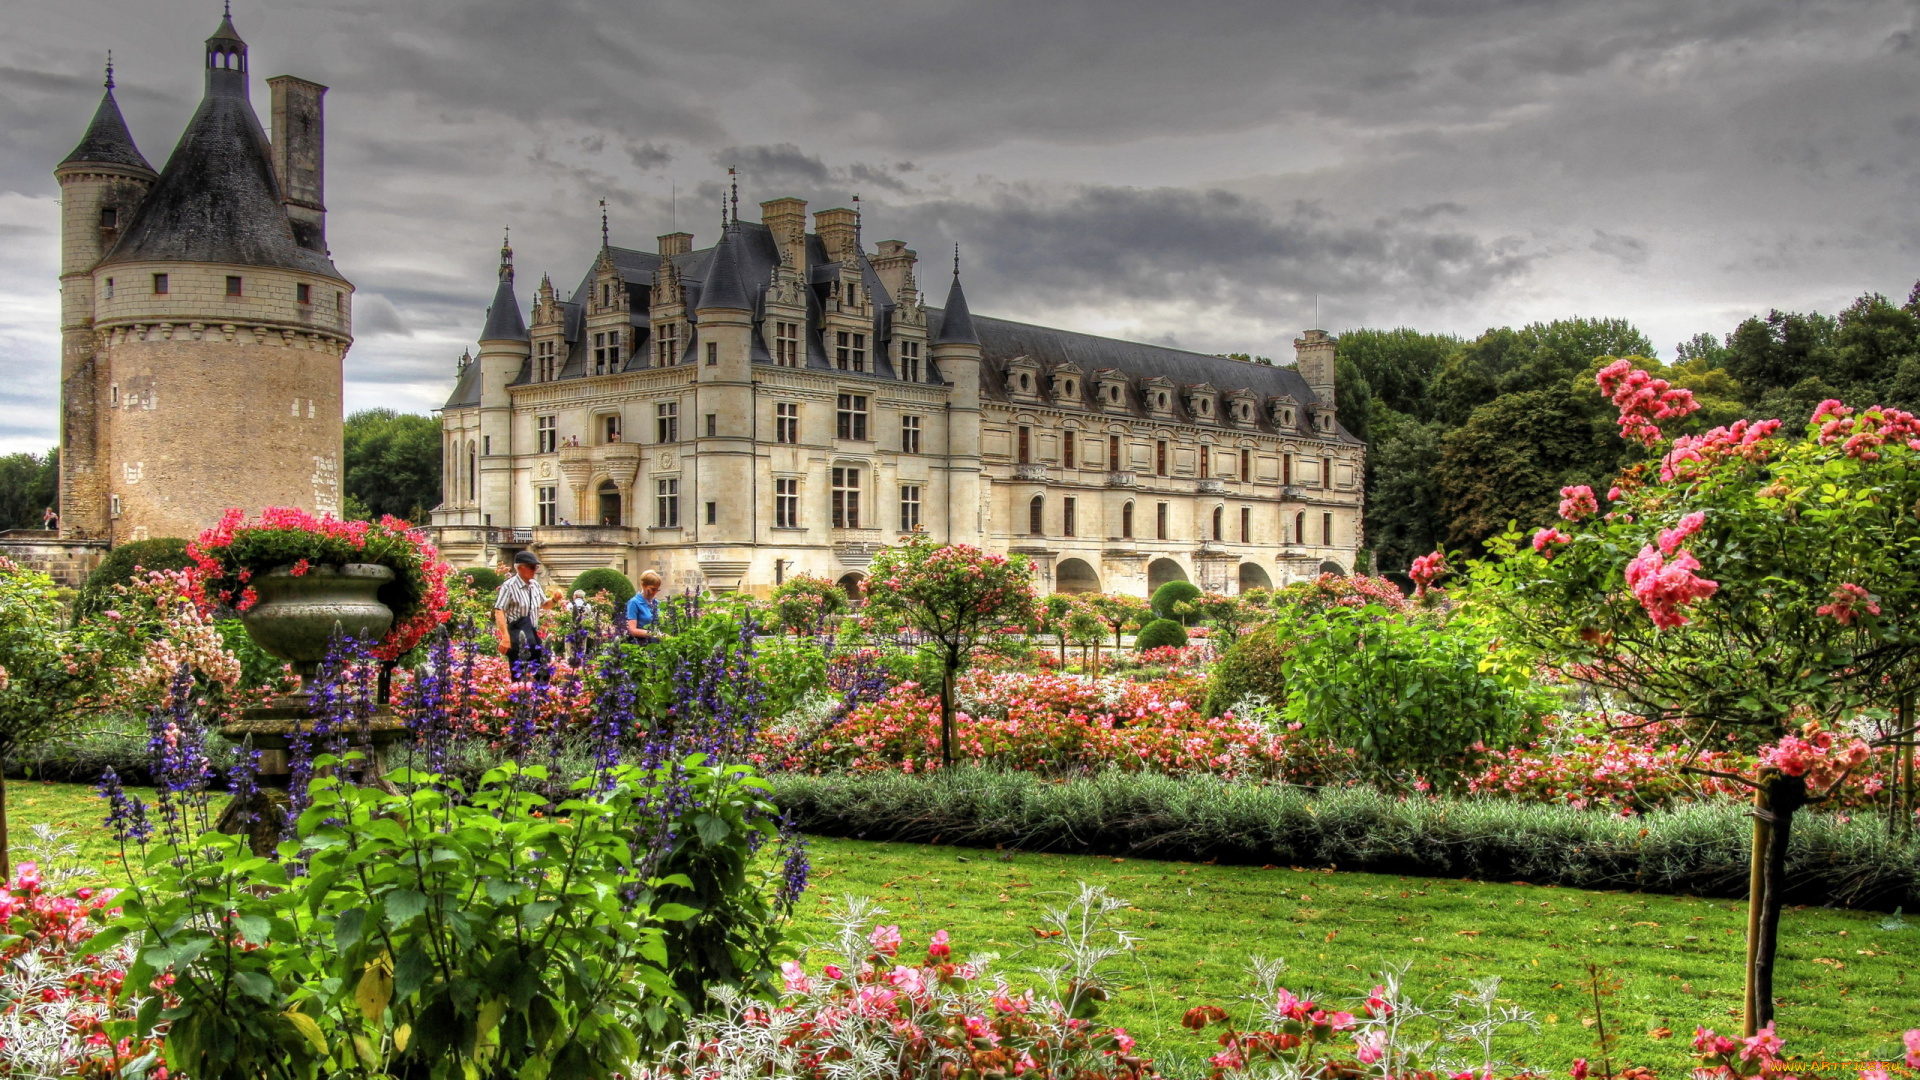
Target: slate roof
x=107 y=141
x=218 y=199
x=956 y=324
x=504 y=321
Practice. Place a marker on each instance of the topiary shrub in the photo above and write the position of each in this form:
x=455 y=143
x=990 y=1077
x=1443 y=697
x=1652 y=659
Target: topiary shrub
x=485 y=579
x=1159 y=634
x=605 y=577
x=1173 y=592
x=1254 y=667
x=166 y=553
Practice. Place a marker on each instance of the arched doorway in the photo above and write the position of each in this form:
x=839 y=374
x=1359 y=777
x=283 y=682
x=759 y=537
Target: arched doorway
x=1334 y=568
x=1075 y=576
x=1161 y=571
x=1254 y=576
x=610 y=504
x=853 y=584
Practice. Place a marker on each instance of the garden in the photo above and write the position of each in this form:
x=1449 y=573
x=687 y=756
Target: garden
x=1631 y=795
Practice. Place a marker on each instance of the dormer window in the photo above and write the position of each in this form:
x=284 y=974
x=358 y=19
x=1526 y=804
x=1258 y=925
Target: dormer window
x=1070 y=387
x=1026 y=383
x=1113 y=394
x=109 y=217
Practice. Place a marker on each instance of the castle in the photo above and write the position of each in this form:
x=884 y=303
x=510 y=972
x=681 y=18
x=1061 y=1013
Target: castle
x=199 y=299
x=785 y=401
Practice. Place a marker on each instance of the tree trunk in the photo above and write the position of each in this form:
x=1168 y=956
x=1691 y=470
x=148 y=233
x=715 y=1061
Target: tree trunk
x=1906 y=756
x=6 y=844
x=1756 y=890
x=946 y=713
x=1784 y=796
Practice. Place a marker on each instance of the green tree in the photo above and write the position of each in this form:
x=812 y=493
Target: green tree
x=956 y=595
x=1535 y=357
x=29 y=484
x=1512 y=456
x=1397 y=365
x=1403 y=512
x=393 y=464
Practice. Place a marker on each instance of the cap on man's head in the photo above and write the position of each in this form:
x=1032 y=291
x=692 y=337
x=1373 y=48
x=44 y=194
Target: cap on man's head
x=526 y=558
x=579 y=594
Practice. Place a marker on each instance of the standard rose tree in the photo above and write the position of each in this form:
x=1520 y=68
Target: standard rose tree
x=958 y=596
x=1741 y=582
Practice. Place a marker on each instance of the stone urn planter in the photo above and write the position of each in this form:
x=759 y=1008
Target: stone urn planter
x=295 y=619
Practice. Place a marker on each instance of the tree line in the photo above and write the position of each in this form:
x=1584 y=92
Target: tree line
x=1466 y=436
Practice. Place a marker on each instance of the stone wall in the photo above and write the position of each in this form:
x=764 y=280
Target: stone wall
x=66 y=561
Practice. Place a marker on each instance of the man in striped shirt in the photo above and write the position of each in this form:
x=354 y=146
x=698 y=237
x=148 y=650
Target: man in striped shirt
x=517 y=607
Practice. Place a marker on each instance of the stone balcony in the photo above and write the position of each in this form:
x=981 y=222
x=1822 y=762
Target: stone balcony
x=1123 y=480
x=1032 y=472
x=856 y=547
x=1211 y=487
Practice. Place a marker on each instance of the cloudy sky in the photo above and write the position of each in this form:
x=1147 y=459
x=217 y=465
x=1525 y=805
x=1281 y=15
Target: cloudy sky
x=1209 y=173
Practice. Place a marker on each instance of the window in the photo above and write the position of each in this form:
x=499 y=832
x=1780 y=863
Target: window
x=1066 y=517
x=910 y=361
x=114 y=505
x=713 y=424
x=713 y=513
x=1126 y=522
x=909 y=434
x=546 y=361
x=1219 y=523
x=1246 y=466
x=1300 y=528
x=339 y=301
x=909 y=508
x=610 y=428
x=850 y=351
x=473 y=471
x=546 y=433
x=606 y=294
x=666 y=422
x=1206 y=462
x=109 y=288
x=233 y=285
x=109 y=217
x=853 y=417
x=1326 y=530
x=546 y=499
x=1036 y=512
x=1025 y=453
x=1286 y=469
x=666 y=503
x=1066 y=449
x=486 y=446
x=786 y=422
x=713 y=354
x=1160 y=458
x=303 y=293
x=1326 y=473
x=160 y=283
x=1160 y=520
x=600 y=354
x=786 y=504
x=846 y=498
x=1246 y=524
x=786 y=344
x=667 y=348
x=614 y=341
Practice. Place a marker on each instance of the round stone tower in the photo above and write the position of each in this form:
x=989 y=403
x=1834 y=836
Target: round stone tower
x=207 y=329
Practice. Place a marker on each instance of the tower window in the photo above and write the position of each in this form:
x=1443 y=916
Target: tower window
x=786 y=504
x=339 y=301
x=909 y=434
x=713 y=354
x=1126 y=522
x=786 y=422
x=713 y=513
x=109 y=217
x=160 y=283
x=713 y=424
x=1160 y=520
x=1219 y=523
x=1246 y=524
x=909 y=508
x=846 y=498
x=1066 y=516
x=114 y=505
x=109 y=288
x=1300 y=527
x=303 y=293
x=233 y=285
x=1036 y=514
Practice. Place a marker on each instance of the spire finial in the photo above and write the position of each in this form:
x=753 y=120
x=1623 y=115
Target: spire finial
x=603 y=224
x=226 y=9
x=856 y=223
x=956 y=261
x=109 y=69
x=506 y=255
x=733 y=178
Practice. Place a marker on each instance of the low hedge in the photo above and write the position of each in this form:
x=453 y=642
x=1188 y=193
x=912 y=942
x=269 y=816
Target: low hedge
x=1696 y=850
x=1160 y=634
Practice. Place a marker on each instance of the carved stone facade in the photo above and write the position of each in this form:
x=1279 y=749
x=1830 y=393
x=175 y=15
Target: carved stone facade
x=203 y=324
x=784 y=401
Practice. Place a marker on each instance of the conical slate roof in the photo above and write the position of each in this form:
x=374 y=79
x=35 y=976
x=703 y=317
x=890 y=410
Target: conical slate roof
x=724 y=290
x=956 y=327
x=504 y=321
x=218 y=200
x=107 y=141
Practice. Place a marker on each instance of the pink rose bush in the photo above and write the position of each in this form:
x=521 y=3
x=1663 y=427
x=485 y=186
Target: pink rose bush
x=1643 y=400
x=1577 y=503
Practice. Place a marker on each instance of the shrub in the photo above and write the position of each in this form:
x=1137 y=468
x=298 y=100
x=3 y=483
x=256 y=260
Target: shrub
x=803 y=603
x=166 y=553
x=1161 y=633
x=1254 y=667
x=1173 y=592
x=484 y=579
x=1696 y=849
x=606 y=578
x=1407 y=693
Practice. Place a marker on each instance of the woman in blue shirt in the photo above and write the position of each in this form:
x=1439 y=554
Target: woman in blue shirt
x=643 y=611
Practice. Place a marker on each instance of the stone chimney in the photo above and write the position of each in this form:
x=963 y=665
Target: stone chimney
x=675 y=243
x=299 y=157
x=1313 y=352
x=893 y=263
x=837 y=230
x=786 y=218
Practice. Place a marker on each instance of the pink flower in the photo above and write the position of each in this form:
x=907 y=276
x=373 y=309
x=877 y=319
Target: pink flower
x=1546 y=537
x=1426 y=568
x=1371 y=1046
x=1338 y=1021
x=1912 y=1039
x=1577 y=502
x=978 y=1028
x=885 y=940
x=1580 y=1069
x=795 y=977
x=939 y=949
x=1670 y=539
x=1377 y=1003
x=1848 y=601
x=1765 y=1045
x=1122 y=1040
x=1663 y=588
x=832 y=971
x=1791 y=755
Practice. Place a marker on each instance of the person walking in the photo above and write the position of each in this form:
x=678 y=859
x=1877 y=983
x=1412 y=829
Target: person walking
x=643 y=611
x=516 y=610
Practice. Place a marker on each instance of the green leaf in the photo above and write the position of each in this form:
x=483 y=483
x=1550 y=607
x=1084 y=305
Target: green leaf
x=305 y=1026
x=713 y=830
x=256 y=986
x=403 y=906
x=411 y=971
x=538 y=912
x=675 y=912
x=347 y=928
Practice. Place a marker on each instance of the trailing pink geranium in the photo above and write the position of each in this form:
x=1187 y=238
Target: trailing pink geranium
x=228 y=556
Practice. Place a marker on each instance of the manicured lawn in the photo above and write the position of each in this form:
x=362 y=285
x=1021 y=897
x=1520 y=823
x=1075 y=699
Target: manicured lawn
x=1852 y=982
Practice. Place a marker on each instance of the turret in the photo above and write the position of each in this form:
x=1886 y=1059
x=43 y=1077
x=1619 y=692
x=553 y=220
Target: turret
x=505 y=347
x=1314 y=355
x=723 y=407
x=226 y=60
x=956 y=359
